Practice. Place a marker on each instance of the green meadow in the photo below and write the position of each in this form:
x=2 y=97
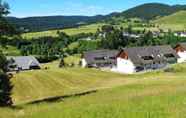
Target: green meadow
x=71 y=31
x=158 y=94
x=10 y=50
x=174 y=22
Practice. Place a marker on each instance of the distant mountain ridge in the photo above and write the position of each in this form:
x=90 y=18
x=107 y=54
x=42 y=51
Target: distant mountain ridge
x=148 y=11
x=152 y=10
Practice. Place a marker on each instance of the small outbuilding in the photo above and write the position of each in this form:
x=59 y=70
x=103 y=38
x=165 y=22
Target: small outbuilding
x=21 y=63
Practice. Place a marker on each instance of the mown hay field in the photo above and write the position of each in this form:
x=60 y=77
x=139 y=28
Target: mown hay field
x=158 y=94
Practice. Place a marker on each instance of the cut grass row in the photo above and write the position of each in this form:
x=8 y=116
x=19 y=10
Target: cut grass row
x=34 y=85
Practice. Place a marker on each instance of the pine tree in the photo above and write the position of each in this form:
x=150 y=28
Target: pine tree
x=5 y=90
x=5 y=84
x=62 y=63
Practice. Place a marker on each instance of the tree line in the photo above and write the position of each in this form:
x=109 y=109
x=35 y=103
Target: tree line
x=5 y=84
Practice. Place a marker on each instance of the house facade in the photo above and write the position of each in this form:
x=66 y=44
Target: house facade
x=136 y=59
x=99 y=58
x=21 y=63
x=180 y=34
x=181 y=51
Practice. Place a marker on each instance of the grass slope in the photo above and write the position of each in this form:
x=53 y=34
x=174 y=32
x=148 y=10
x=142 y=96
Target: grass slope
x=72 y=31
x=35 y=85
x=151 y=95
x=175 y=21
x=10 y=51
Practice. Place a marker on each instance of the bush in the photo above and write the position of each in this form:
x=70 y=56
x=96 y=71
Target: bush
x=5 y=90
x=175 y=69
x=46 y=59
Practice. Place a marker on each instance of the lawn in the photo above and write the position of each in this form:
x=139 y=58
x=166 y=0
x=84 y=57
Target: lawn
x=10 y=51
x=156 y=94
x=175 y=22
x=72 y=31
x=35 y=85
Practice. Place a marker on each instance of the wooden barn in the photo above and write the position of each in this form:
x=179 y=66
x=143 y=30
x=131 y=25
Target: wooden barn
x=131 y=60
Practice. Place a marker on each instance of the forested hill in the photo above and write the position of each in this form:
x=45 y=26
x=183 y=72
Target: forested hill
x=152 y=10
x=53 y=22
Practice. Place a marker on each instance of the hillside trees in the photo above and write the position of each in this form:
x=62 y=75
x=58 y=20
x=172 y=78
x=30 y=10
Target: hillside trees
x=5 y=27
x=5 y=31
x=5 y=84
x=116 y=38
x=113 y=38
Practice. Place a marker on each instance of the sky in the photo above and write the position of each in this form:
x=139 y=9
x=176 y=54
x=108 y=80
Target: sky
x=26 y=8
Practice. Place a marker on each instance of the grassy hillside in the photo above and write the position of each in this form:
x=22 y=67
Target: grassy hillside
x=155 y=94
x=72 y=31
x=175 y=21
x=34 y=85
x=10 y=51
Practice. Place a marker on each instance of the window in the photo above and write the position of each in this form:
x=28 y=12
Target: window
x=169 y=55
x=112 y=57
x=139 y=68
x=147 y=57
x=99 y=58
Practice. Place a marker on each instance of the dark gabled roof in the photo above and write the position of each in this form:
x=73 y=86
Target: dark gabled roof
x=135 y=54
x=91 y=56
x=182 y=45
x=24 y=62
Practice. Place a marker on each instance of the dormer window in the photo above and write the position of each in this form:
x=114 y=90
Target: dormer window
x=99 y=58
x=147 y=57
x=104 y=58
x=112 y=57
x=169 y=55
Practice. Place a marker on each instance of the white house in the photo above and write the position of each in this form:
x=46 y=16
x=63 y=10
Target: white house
x=181 y=51
x=180 y=34
x=136 y=59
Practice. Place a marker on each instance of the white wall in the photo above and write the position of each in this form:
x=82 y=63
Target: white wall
x=182 y=57
x=125 y=66
x=183 y=35
x=84 y=63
